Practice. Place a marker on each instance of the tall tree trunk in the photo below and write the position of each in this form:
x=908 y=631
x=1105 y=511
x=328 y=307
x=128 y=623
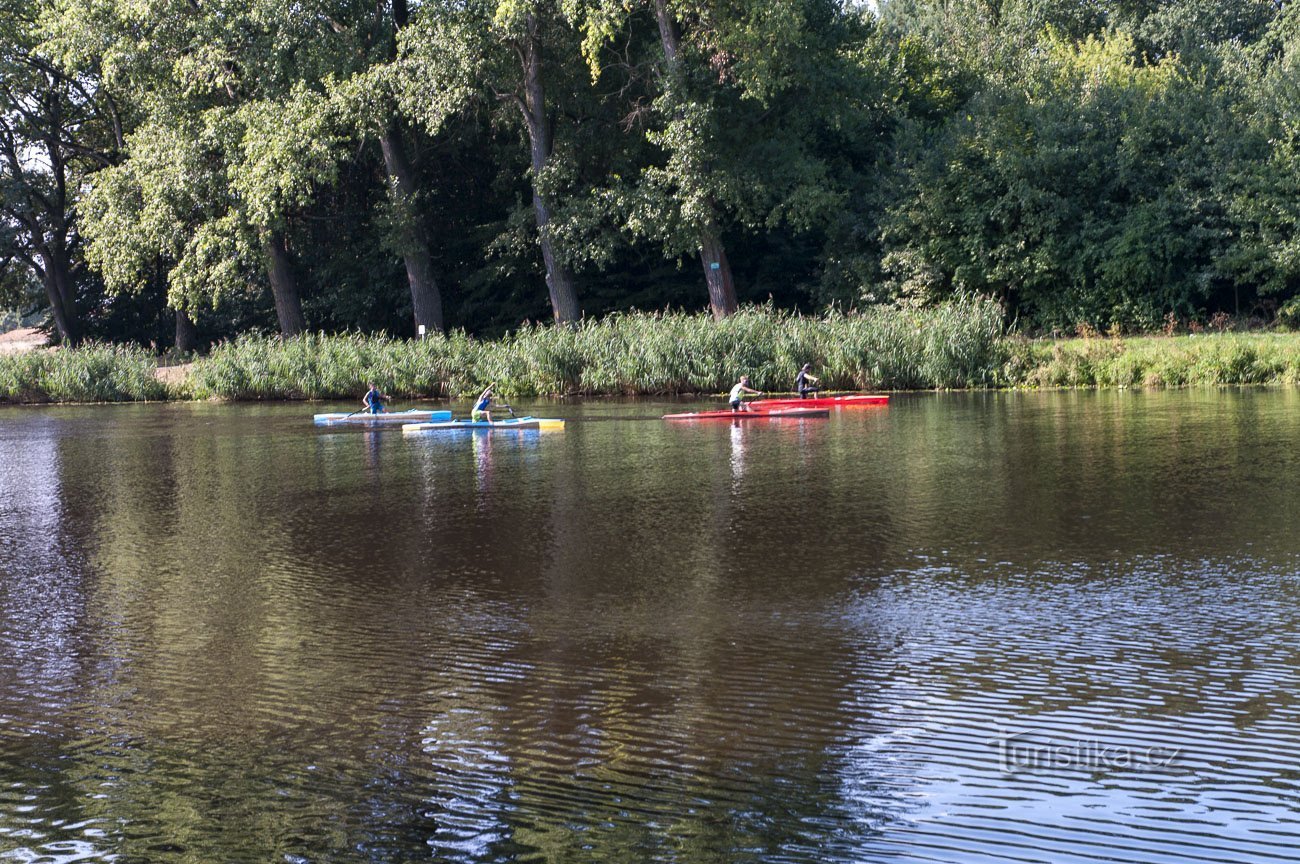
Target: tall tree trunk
x=667 y=33
x=559 y=281
x=187 y=337
x=56 y=276
x=426 y=301
x=288 y=307
x=717 y=274
x=713 y=255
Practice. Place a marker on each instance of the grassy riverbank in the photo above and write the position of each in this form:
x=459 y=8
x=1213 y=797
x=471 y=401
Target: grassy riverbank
x=1158 y=361
x=952 y=346
x=94 y=373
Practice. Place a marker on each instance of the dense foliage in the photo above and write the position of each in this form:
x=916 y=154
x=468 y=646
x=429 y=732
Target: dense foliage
x=178 y=171
x=953 y=344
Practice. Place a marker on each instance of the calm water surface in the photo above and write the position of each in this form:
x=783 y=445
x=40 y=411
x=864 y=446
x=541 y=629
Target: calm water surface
x=974 y=628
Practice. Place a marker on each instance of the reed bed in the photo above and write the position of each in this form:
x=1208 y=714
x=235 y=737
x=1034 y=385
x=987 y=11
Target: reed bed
x=961 y=344
x=92 y=373
x=1156 y=361
x=958 y=344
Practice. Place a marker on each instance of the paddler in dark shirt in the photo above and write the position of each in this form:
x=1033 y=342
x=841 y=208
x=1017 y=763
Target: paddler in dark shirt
x=373 y=401
x=806 y=383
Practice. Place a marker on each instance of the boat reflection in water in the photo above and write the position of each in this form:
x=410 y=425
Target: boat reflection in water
x=738 y=431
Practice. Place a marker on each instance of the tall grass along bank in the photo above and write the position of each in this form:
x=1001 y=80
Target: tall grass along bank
x=957 y=344
x=93 y=373
x=1159 y=361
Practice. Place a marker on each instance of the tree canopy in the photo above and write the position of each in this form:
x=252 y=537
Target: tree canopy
x=215 y=166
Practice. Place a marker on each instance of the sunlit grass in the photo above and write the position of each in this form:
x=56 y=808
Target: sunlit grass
x=958 y=344
x=92 y=373
x=1159 y=361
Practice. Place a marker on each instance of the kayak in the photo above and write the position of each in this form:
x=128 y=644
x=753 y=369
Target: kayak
x=514 y=423
x=822 y=402
x=366 y=419
x=778 y=414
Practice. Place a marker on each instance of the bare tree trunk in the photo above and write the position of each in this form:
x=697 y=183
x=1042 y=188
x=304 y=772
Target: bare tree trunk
x=187 y=337
x=56 y=276
x=667 y=33
x=717 y=274
x=713 y=255
x=426 y=301
x=288 y=306
x=559 y=281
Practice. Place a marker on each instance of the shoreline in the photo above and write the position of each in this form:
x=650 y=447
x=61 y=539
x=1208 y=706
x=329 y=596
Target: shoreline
x=680 y=398
x=961 y=347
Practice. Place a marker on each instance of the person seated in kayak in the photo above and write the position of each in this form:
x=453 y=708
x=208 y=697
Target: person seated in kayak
x=482 y=406
x=373 y=401
x=806 y=383
x=738 y=390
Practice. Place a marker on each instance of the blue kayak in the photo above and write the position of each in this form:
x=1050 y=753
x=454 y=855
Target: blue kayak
x=364 y=418
x=514 y=423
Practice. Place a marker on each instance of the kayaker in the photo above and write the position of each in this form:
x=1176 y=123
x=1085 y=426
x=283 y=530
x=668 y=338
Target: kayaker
x=373 y=401
x=738 y=390
x=806 y=383
x=482 y=405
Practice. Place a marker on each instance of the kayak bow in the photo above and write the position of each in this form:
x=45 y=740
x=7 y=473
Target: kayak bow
x=858 y=401
x=778 y=414
x=514 y=423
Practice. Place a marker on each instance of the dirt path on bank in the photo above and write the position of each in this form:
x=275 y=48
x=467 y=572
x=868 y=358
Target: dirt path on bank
x=26 y=339
x=173 y=374
x=22 y=340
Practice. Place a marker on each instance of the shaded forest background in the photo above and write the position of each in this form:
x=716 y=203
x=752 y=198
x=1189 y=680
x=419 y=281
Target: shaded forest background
x=174 y=172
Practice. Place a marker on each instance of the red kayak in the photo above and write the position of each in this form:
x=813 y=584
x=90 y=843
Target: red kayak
x=777 y=414
x=821 y=402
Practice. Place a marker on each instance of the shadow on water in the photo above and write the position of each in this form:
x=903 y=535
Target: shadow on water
x=1036 y=627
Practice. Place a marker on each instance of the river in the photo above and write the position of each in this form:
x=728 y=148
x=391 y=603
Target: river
x=1042 y=627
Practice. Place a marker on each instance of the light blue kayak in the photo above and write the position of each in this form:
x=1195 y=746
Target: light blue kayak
x=363 y=418
x=514 y=423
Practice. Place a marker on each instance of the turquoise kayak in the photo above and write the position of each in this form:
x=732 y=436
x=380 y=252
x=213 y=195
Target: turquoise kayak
x=382 y=419
x=514 y=423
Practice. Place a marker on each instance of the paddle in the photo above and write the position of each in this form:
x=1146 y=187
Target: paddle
x=508 y=408
x=541 y=424
x=382 y=410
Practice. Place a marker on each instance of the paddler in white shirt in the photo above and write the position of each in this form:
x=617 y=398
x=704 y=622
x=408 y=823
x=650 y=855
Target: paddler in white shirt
x=740 y=389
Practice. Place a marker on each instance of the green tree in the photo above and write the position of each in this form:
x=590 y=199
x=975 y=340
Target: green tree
x=223 y=84
x=1086 y=192
x=1265 y=183
x=745 y=106
x=455 y=54
x=365 y=42
x=57 y=128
